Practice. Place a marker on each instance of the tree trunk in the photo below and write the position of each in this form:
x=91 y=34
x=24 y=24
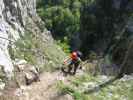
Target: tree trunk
x=126 y=66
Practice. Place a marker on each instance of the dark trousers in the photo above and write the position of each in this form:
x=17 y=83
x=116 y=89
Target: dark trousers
x=74 y=64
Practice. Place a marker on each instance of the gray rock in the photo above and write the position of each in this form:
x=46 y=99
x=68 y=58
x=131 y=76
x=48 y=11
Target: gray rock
x=127 y=78
x=16 y=17
x=26 y=73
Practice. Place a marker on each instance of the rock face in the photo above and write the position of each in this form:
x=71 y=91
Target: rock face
x=25 y=73
x=16 y=18
x=13 y=16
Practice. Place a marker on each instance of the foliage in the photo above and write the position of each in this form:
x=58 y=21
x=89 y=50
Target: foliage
x=54 y=55
x=64 y=44
x=103 y=24
x=48 y=56
x=62 y=18
x=65 y=89
x=79 y=80
x=24 y=48
x=118 y=90
x=61 y=21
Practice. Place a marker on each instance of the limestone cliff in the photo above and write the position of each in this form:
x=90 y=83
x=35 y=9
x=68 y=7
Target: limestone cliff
x=18 y=19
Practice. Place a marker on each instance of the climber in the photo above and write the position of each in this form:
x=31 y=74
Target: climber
x=74 y=59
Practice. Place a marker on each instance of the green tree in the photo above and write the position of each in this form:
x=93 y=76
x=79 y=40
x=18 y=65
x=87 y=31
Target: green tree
x=61 y=17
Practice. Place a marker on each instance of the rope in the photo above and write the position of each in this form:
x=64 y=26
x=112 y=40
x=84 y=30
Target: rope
x=7 y=39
